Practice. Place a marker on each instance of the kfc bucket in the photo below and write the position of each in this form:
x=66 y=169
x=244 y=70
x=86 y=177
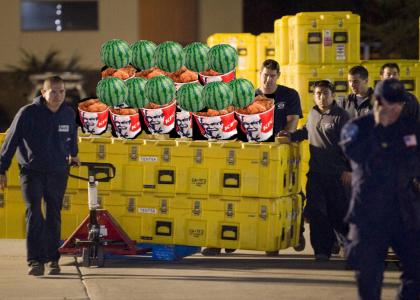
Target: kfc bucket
x=160 y=120
x=217 y=127
x=93 y=116
x=212 y=76
x=257 y=127
x=184 y=124
x=125 y=122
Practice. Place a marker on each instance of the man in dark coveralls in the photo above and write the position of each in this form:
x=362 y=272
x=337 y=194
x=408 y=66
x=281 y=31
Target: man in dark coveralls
x=384 y=151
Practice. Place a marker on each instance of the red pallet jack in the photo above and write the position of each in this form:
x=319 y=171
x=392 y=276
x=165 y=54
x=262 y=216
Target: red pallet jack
x=99 y=233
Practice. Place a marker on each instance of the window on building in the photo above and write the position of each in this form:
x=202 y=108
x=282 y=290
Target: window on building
x=36 y=15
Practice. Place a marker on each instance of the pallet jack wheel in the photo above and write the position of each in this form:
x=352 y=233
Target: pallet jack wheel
x=86 y=257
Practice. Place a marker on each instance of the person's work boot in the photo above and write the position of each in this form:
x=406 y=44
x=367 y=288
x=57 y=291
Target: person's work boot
x=53 y=268
x=272 y=253
x=211 y=251
x=227 y=250
x=36 y=268
x=301 y=246
x=320 y=257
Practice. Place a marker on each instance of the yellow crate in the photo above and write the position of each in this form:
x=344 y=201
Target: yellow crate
x=302 y=78
x=281 y=40
x=265 y=48
x=72 y=213
x=296 y=218
x=294 y=169
x=244 y=44
x=247 y=74
x=409 y=73
x=324 y=38
x=285 y=240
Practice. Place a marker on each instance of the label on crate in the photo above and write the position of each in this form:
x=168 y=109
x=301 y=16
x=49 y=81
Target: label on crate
x=196 y=232
x=340 y=52
x=147 y=210
x=198 y=182
x=103 y=231
x=328 y=38
x=148 y=158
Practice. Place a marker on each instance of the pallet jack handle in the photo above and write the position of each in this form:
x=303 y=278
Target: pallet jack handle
x=101 y=172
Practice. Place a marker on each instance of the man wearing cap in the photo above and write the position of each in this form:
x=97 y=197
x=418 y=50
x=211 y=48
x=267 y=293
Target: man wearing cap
x=384 y=152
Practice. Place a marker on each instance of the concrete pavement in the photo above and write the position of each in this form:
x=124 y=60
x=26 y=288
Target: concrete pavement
x=243 y=275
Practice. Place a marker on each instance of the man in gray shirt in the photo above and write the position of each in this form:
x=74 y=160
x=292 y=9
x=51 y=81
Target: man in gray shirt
x=329 y=171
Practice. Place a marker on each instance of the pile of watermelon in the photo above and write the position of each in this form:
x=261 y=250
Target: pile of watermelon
x=145 y=75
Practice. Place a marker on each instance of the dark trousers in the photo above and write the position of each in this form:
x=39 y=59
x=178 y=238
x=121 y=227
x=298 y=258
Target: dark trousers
x=368 y=249
x=43 y=233
x=326 y=207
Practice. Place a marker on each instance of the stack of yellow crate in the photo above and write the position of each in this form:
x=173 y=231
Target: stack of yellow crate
x=245 y=45
x=311 y=46
x=197 y=193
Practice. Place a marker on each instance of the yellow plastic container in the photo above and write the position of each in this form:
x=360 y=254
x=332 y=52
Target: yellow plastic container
x=265 y=48
x=324 y=38
x=409 y=73
x=72 y=213
x=281 y=40
x=245 y=44
x=302 y=78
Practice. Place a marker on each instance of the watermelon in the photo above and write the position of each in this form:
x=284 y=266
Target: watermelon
x=136 y=92
x=243 y=92
x=143 y=52
x=222 y=58
x=169 y=56
x=112 y=91
x=190 y=98
x=196 y=57
x=116 y=53
x=160 y=90
x=217 y=95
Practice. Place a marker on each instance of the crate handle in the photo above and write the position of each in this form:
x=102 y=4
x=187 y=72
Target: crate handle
x=409 y=85
x=166 y=177
x=163 y=228
x=231 y=180
x=314 y=37
x=340 y=37
x=341 y=86
x=229 y=233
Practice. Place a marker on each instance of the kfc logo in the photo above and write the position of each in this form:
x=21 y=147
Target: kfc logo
x=258 y=127
x=94 y=122
x=160 y=120
x=126 y=126
x=218 y=127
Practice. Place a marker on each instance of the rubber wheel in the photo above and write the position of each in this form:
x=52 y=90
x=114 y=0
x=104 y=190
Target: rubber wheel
x=86 y=257
x=100 y=258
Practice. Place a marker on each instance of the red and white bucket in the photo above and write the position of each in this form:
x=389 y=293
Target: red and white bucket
x=126 y=126
x=183 y=125
x=257 y=127
x=160 y=120
x=94 y=122
x=218 y=127
x=204 y=79
x=179 y=84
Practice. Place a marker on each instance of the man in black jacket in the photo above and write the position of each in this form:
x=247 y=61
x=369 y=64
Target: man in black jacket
x=44 y=134
x=411 y=108
x=359 y=102
x=329 y=172
x=384 y=151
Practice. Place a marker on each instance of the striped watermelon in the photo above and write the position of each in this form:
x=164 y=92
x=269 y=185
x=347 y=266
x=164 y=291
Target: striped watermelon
x=222 y=58
x=190 y=98
x=160 y=90
x=169 y=56
x=196 y=57
x=143 y=54
x=243 y=92
x=217 y=95
x=112 y=91
x=136 y=92
x=116 y=53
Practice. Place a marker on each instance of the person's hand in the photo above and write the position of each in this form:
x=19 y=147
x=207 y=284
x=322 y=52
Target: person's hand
x=74 y=161
x=3 y=181
x=346 y=178
x=283 y=133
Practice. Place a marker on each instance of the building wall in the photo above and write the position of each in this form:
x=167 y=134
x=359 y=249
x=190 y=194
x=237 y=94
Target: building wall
x=218 y=16
x=83 y=43
x=183 y=21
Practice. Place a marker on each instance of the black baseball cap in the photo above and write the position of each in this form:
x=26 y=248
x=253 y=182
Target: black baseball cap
x=392 y=90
